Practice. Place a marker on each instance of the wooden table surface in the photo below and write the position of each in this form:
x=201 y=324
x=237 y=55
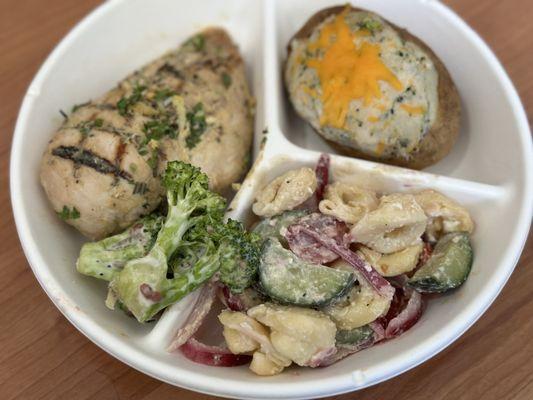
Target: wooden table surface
x=42 y=356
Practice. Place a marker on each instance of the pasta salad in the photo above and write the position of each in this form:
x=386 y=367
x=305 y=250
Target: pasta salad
x=342 y=268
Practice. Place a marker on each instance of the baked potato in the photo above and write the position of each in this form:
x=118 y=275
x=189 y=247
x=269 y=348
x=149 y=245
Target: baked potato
x=101 y=170
x=371 y=89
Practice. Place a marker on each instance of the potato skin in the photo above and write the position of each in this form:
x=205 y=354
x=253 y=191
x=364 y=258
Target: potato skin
x=440 y=138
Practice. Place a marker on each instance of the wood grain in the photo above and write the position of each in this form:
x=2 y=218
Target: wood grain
x=43 y=357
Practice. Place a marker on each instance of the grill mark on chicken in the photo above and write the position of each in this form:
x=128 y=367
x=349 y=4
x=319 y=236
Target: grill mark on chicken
x=215 y=64
x=91 y=160
x=170 y=69
x=121 y=148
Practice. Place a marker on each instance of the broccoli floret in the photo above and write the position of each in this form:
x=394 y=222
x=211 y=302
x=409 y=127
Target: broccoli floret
x=160 y=260
x=196 y=260
x=142 y=286
x=105 y=258
x=237 y=253
x=195 y=244
x=239 y=256
x=185 y=257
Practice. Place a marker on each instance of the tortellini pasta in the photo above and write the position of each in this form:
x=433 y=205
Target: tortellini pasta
x=360 y=306
x=347 y=202
x=444 y=214
x=243 y=334
x=297 y=333
x=393 y=264
x=397 y=223
x=285 y=192
x=262 y=365
x=236 y=324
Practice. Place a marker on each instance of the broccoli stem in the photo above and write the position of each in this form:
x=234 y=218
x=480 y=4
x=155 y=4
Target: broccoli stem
x=150 y=271
x=98 y=262
x=186 y=282
x=106 y=258
x=142 y=286
x=171 y=234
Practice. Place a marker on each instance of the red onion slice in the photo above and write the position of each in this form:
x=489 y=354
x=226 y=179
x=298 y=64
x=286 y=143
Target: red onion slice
x=408 y=316
x=379 y=331
x=339 y=355
x=405 y=310
x=380 y=284
x=322 y=357
x=322 y=176
x=424 y=257
x=212 y=355
x=343 y=352
x=234 y=303
x=306 y=247
x=196 y=317
x=426 y=253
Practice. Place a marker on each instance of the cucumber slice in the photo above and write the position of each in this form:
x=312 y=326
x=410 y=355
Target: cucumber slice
x=354 y=337
x=272 y=227
x=448 y=267
x=290 y=280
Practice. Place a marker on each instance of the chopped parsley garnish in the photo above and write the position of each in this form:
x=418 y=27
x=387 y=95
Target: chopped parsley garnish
x=153 y=160
x=67 y=213
x=226 y=80
x=126 y=102
x=198 y=42
x=156 y=129
x=85 y=127
x=165 y=123
x=133 y=167
x=197 y=125
x=163 y=94
x=370 y=25
x=170 y=69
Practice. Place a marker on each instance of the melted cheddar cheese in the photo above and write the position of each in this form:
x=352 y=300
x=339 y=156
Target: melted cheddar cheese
x=349 y=69
x=414 y=110
x=361 y=85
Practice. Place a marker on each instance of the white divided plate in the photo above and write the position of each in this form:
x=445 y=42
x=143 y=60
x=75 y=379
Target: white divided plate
x=489 y=171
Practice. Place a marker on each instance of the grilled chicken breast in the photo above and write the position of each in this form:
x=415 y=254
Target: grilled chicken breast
x=101 y=170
